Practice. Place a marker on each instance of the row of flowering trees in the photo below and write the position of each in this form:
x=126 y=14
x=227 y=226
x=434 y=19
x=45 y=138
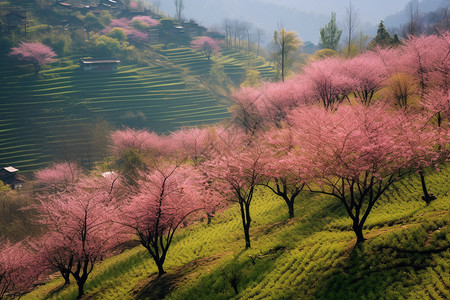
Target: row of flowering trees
x=332 y=129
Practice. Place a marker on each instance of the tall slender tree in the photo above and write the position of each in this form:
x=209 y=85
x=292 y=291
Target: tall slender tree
x=415 y=25
x=236 y=169
x=285 y=42
x=179 y=7
x=330 y=34
x=351 y=25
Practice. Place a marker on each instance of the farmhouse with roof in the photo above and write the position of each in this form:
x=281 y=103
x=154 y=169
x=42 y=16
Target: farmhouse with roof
x=108 y=65
x=9 y=176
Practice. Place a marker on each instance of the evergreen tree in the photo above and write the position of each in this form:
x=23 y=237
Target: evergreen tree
x=383 y=38
x=396 y=41
x=330 y=34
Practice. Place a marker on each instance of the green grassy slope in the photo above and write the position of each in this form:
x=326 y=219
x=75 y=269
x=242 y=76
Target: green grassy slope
x=406 y=256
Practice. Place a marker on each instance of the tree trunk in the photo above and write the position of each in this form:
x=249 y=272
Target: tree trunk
x=282 y=61
x=161 y=271
x=291 y=209
x=358 y=229
x=247 y=236
x=66 y=276
x=235 y=288
x=36 y=69
x=80 y=284
x=245 y=214
x=426 y=197
x=209 y=218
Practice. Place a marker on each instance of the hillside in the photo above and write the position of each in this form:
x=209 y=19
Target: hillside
x=311 y=256
x=65 y=113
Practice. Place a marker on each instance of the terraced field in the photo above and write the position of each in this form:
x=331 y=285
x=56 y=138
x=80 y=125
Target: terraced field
x=38 y=114
x=52 y=116
x=406 y=255
x=234 y=62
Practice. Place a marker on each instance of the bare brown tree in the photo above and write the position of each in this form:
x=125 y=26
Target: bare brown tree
x=351 y=25
x=414 y=26
x=179 y=7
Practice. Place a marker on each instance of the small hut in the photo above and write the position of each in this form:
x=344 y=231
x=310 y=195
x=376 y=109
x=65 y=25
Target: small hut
x=9 y=176
x=107 y=65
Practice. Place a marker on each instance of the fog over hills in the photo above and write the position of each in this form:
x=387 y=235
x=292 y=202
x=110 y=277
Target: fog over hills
x=306 y=17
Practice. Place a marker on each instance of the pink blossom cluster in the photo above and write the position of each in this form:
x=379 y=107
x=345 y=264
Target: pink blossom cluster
x=146 y=19
x=206 y=44
x=37 y=54
x=127 y=24
x=18 y=269
x=332 y=81
x=58 y=173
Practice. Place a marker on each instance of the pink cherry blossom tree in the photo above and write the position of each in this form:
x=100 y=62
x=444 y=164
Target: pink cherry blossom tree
x=236 y=170
x=256 y=108
x=206 y=44
x=427 y=59
x=136 y=35
x=328 y=81
x=121 y=22
x=37 y=54
x=282 y=177
x=52 y=253
x=437 y=101
x=245 y=112
x=162 y=200
x=142 y=141
x=58 y=175
x=368 y=76
x=18 y=269
x=79 y=222
x=193 y=144
x=137 y=150
x=356 y=153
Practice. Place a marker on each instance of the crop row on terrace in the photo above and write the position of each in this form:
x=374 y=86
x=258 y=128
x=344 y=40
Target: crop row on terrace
x=46 y=110
x=234 y=63
x=51 y=109
x=406 y=256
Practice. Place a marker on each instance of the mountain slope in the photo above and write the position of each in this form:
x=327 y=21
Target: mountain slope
x=59 y=114
x=312 y=256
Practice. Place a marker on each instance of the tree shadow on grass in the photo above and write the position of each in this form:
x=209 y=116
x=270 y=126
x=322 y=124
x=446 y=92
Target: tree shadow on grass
x=312 y=218
x=57 y=290
x=159 y=287
x=382 y=270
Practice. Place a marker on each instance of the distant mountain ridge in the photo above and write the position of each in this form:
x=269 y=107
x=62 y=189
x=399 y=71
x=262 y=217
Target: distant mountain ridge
x=304 y=17
x=396 y=20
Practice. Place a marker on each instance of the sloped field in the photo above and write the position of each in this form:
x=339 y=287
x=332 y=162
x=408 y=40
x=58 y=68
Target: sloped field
x=312 y=256
x=57 y=109
x=53 y=116
x=234 y=63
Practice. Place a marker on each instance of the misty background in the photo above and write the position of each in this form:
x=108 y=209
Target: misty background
x=305 y=17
